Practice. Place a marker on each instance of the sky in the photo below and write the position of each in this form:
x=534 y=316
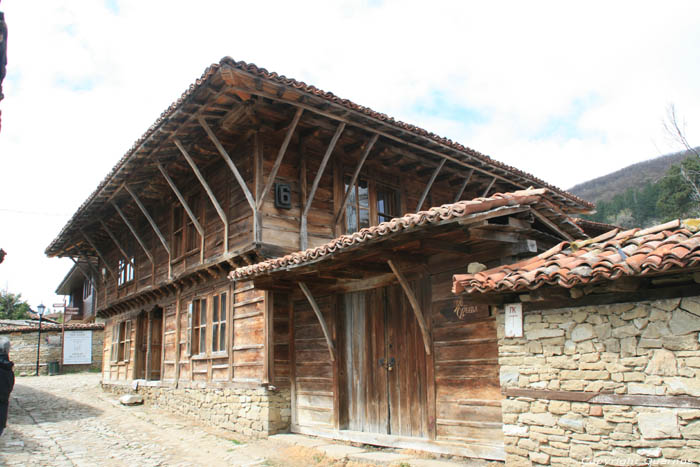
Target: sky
x=566 y=91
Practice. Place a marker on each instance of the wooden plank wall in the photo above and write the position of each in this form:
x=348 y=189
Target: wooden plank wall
x=170 y=343
x=280 y=330
x=468 y=394
x=248 y=333
x=313 y=368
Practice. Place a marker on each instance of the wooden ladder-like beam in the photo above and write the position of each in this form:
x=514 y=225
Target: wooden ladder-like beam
x=317 y=311
x=414 y=305
x=207 y=189
x=133 y=232
x=303 y=234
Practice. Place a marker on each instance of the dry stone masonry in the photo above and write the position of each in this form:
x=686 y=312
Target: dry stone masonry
x=643 y=349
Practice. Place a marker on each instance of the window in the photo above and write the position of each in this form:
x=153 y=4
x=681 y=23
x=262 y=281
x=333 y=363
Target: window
x=87 y=289
x=218 y=323
x=369 y=203
x=121 y=341
x=126 y=271
x=198 y=326
x=186 y=239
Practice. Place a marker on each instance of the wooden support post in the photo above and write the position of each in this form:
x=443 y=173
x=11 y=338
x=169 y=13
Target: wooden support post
x=317 y=311
x=280 y=156
x=269 y=358
x=149 y=343
x=414 y=304
x=206 y=187
x=464 y=186
x=361 y=162
x=258 y=176
x=116 y=242
x=229 y=161
x=133 y=232
x=303 y=195
x=430 y=184
x=177 y=334
x=186 y=207
x=94 y=247
x=551 y=224
x=488 y=188
x=292 y=364
x=304 y=239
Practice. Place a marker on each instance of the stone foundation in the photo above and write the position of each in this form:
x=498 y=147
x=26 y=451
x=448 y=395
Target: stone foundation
x=647 y=349
x=253 y=412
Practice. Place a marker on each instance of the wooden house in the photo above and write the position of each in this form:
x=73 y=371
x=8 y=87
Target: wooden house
x=78 y=286
x=248 y=166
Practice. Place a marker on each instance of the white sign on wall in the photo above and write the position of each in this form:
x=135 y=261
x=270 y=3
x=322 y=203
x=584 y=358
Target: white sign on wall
x=77 y=347
x=514 y=320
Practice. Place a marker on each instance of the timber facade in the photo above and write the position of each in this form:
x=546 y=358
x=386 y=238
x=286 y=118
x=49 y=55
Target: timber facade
x=248 y=166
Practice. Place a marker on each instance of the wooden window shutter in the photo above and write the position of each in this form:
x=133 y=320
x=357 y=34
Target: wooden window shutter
x=190 y=307
x=115 y=342
x=127 y=343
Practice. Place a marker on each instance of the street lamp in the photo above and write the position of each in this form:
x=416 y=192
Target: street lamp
x=40 y=309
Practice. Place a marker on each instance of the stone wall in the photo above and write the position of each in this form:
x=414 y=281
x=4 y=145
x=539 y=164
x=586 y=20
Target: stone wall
x=251 y=411
x=23 y=347
x=645 y=349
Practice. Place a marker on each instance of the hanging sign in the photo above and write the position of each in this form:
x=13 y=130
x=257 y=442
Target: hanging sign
x=77 y=347
x=514 y=320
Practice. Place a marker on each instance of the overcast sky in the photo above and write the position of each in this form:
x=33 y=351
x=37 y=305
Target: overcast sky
x=567 y=91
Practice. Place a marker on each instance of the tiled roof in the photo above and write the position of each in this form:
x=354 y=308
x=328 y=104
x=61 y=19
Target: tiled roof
x=254 y=70
x=593 y=228
x=637 y=252
x=433 y=216
x=53 y=327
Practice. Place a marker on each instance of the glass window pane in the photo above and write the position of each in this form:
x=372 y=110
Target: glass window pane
x=215 y=311
x=214 y=336
x=363 y=193
x=223 y=307
x=364 y=218
x=222 y=336
x=351 y=218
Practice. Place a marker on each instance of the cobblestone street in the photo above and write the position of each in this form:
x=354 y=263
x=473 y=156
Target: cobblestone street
x=68 y=420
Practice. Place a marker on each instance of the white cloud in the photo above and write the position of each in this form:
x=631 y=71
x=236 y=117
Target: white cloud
x=564 y=91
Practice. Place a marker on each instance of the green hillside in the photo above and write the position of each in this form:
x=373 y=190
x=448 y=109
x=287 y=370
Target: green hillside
x=646 y=193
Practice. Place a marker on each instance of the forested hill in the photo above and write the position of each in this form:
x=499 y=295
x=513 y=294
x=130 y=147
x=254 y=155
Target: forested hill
x=646 y=193
x=605 y=187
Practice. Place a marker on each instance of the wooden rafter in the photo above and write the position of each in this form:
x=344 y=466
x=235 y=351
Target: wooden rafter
x=430 y=184
x=229 y=161
x=145 y=212
x=414 y=305
x=464 y=185
x=314 y=186
x=551 y=225
x=94 y=247
x=488 y=188
x=360 y=163
x=186 y=207
x=89 y=277
x=116 y=242
x=280 y=156
x=319 y=315
x=133 y=232
x=206 y=187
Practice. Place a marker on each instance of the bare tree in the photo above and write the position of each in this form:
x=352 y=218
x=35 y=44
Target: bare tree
x=676 y=131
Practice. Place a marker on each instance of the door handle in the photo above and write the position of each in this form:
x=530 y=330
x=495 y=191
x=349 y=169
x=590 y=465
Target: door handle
x=389 y=366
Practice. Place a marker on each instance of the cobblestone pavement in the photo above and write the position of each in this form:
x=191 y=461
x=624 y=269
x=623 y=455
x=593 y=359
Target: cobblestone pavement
x=68 y=420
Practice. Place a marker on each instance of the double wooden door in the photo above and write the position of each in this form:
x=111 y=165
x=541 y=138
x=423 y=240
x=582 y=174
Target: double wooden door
x=384 y=383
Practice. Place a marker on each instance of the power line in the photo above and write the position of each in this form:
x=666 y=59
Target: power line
x=34 y=213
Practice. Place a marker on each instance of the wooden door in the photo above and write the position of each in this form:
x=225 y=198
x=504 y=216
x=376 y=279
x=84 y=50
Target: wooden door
x=385 y=364
x=156 y=343
x=141 y=346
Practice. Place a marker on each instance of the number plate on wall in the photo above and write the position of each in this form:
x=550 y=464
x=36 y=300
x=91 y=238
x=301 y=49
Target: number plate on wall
x=283 y=196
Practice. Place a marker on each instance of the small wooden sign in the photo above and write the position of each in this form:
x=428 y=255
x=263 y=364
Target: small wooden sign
x=467 y=310
x=514 y=320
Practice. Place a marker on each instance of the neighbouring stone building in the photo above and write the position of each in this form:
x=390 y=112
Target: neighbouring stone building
x=607 y=369
x=24 y=341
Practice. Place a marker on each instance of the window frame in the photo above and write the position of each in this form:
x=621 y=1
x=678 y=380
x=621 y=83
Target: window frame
x=373 y=187
x=197 y=332
x=121 y=342
x=126 y=271
x=219 y=327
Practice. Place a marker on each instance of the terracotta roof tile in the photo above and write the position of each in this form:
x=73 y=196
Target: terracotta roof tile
x=635 y=252
x=433 y=216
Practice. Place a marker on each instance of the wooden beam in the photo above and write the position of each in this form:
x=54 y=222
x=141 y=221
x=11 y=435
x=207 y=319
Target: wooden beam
x=116 y=242
x=154 y=226
x=430 y=184
x=414 y=305
x=206 y=187
x=488 y=188
x=280 y=156
x=87 y=276
x=186 y=206
x=304 y=240
x=317 y=311
x=229 y=161
x=360 y=163
x=464 y=186
x=94 y=247
x=551 y=225
x=258 y=184
x=133 y=232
